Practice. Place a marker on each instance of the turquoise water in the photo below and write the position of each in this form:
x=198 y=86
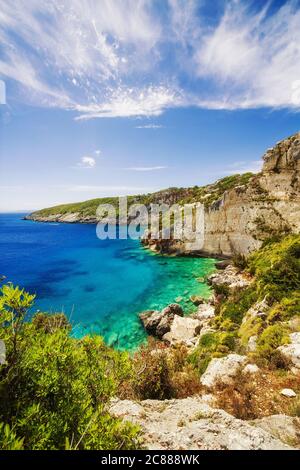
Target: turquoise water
x=100 y=285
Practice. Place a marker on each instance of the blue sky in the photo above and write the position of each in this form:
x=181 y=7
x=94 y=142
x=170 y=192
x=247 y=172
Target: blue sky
x=108 y=97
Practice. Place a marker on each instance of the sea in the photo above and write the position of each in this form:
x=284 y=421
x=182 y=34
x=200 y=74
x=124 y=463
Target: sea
x=100 y=285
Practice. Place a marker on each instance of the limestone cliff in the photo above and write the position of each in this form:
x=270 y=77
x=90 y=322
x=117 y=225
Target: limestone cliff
x=240 y=211
x=246 y=215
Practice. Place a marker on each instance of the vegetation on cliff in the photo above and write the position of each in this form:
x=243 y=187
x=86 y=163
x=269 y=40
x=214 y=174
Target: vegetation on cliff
x=205 y=194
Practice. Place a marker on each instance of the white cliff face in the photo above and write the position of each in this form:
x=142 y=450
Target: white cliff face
x=246 y=215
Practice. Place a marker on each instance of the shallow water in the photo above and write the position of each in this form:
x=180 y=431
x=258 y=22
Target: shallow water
x=100 y=285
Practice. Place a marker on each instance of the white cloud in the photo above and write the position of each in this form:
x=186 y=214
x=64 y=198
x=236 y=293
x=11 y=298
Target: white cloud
x=129 y=102
x=150 y=126
x=146 y=168
x=125 y=58
x=253 y=58
x=87 y=162
x=97 y=152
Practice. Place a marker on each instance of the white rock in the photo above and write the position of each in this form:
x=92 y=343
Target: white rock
x=191 y=424
x=292 y=351
x=288 y=392
x=251 y=369
x=222 y=370
x=285 y=428
x=183 y=330
x=260 y=309
x=252 y=343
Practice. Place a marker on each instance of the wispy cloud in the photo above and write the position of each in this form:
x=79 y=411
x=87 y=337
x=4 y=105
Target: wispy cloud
x=252 y=166
x=150 y=126
x=146 y=168
x=86 y=162
x=124 y=58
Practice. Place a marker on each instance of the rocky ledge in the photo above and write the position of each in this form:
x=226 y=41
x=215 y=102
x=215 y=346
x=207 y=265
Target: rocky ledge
x=191 y=424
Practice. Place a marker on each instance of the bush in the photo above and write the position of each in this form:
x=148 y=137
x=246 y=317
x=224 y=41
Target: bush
x=54 y=388
x=162 y=373
x=271 y=338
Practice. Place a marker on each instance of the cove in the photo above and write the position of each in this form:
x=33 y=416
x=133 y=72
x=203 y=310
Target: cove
x=101 y=285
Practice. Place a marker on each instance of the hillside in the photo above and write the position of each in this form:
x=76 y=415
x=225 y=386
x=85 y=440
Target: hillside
x=85 y=212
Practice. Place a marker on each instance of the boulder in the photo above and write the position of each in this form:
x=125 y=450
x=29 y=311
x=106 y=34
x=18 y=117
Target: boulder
x=258 y=310
x=251 y=369
x=252 y=343
x=285 y=428
x=183 y=331
x=150 y=320
x=222 y=370
x=292 y=351
x=158 y=323
x=192 y=424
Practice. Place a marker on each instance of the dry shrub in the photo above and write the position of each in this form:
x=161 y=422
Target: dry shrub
x=237 y=398
x=162 y=373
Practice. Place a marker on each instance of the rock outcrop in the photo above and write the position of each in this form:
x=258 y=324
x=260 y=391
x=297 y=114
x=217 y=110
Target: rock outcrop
x=282 y=427
x=184 y=330
x=292 y=351
x=248 y=214
x=222 y=370
x=158 y=323
x=191 y=424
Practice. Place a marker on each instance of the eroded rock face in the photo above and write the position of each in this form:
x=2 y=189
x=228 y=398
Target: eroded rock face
x=159 y=323
x=292 y=351
x=246 y=215
x=222 y=370
x=191 y=424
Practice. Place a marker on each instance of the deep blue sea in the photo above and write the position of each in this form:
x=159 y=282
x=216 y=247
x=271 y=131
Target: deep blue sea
x=100 y=285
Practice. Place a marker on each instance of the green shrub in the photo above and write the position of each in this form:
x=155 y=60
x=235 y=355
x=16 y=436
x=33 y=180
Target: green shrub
x=54 y=388
x=271 y=338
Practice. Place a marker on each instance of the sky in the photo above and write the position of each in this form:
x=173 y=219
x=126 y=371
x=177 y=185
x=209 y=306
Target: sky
x=115 y=97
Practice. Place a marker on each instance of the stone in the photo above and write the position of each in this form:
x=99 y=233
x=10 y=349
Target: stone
x=230 y=277
x=285 y=428
x=222 y=370
x=258 y=310
x=192 y=424
x=292 y=351
x=158 y=323
x=205 y=311
x=251 y=369
x=196 y=300
x=252 y=343
x=223 y=264
x=150 y=320
x=183 y=330
x=288 y=392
